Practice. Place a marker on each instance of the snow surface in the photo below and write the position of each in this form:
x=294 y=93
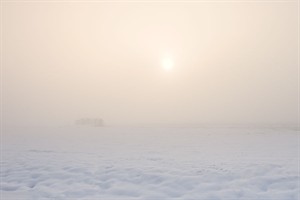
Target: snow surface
x=149 y=163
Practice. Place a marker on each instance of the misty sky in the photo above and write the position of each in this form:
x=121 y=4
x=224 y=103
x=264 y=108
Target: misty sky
x=231 y=62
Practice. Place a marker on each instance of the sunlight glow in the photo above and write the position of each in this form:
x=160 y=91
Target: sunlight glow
x=167 y=64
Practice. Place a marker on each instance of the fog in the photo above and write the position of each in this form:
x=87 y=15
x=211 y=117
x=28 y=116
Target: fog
x=228 y=62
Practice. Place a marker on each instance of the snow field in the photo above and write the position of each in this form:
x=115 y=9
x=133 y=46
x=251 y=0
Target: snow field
x=149 y=163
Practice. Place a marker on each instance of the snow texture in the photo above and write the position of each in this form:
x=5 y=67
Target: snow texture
x=149 y=163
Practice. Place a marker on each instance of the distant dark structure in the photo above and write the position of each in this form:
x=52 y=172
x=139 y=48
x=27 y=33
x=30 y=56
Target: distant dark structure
x=95 y=122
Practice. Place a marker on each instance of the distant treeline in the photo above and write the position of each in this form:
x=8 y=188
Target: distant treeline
x=89 y=122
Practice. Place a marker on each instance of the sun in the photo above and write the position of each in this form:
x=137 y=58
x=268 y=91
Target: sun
x=167 y=64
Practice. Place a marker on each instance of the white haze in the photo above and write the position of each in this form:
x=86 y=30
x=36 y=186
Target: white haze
x=232 y=62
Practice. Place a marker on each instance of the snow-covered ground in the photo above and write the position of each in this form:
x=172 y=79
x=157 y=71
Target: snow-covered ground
x=149 y=163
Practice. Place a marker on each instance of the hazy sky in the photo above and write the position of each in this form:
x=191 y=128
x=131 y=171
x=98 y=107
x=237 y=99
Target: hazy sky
x=227 y=62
